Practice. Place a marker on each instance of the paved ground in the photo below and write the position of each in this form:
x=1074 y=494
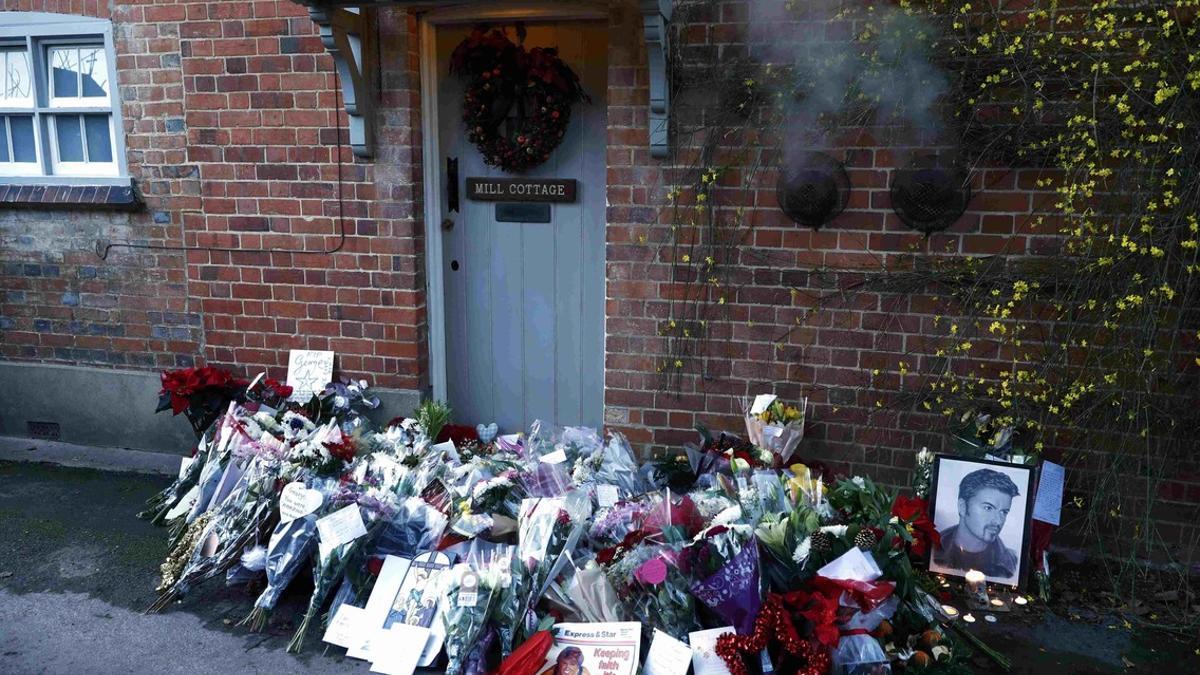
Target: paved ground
x=77 y=569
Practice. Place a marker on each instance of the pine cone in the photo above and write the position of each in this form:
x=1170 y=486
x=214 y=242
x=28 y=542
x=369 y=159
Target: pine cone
x=866 y=539
x=822 y=542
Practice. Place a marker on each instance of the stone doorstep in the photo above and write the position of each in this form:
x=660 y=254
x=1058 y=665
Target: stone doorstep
x=89 y=457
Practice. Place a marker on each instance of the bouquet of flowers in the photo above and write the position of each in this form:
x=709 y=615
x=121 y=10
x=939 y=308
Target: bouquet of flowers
x=289 y=549
x=201 y=394
x=723 y=561
x=775 y=425
x=235 y=522
x=471 y=594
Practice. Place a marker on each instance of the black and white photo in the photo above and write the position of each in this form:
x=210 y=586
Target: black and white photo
x=981 y=510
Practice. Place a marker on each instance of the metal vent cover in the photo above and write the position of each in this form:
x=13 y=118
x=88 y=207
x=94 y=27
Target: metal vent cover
x=813 y=190
x=930 y=194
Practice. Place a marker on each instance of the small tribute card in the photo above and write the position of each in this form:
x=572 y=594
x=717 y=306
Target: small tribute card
x=704 y=651
x=297 y=501
x=346 y=626
x=1047 y=505
x=667 y=656
x=339 y=527
x=308 y=373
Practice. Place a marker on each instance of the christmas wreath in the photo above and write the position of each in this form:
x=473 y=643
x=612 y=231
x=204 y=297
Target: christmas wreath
x=502 y=74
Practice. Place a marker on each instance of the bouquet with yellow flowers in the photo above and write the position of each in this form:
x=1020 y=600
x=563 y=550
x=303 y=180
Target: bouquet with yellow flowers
x=775 y=425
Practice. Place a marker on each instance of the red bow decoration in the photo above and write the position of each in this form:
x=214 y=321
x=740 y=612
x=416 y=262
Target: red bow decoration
x=866 y=594
x=775 y=627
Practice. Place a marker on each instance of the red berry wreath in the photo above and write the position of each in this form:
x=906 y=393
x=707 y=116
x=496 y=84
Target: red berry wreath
x=502 y=74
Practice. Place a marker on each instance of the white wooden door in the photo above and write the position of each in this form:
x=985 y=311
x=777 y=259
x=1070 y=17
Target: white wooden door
x=524 y=302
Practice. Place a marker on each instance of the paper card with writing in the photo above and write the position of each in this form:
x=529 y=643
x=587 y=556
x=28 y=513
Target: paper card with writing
x=667 y=656
x=557 y=457
x=704 y=651
x=346 y=626
x=398 y=648
x=607 y=495
x=296 y=501
x=341 y=526
x=308 y=373
x=761 y=403
x=1047 y=506
x=609 y=648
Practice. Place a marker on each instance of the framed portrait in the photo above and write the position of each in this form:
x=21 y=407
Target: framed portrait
x=981 y=509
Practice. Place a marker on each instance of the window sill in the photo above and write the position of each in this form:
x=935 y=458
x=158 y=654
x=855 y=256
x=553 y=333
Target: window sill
x=101 y=193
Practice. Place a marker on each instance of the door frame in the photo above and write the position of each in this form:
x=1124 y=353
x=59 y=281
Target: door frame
x=428 y=23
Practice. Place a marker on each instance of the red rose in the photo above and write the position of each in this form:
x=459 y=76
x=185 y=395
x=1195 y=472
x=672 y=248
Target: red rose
x=914 y=511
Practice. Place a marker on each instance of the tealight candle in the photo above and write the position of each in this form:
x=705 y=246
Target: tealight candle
x=975 y=580
x=1020 y=600
x=969 y=618
x=949 y=611
x=997 y=602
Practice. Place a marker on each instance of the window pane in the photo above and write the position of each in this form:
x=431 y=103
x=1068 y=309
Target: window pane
x=3 y=139
x=70 y=140
x=15 y=84
x=24 y=149
x=65 y=64
x=94 y=67
x=99 y=143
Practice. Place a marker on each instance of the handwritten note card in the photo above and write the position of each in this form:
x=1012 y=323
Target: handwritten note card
x=1047 y=506
x=296 y=501
x=667 y=656
x=339 y=527
x=704 y=651
x=346 y=626
x=308 y=372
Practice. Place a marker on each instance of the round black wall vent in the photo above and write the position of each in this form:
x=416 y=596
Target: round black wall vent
x=929 y=194
x=813 y=190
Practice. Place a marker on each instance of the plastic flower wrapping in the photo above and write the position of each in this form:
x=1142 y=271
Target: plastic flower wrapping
x=801 y=567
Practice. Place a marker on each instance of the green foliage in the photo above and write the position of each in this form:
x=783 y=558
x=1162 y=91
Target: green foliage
x=432 y=416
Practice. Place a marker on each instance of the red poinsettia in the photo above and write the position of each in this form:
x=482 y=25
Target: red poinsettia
x=914 y=511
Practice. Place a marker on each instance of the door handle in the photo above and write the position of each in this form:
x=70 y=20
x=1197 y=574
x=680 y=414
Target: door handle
x=452 y=184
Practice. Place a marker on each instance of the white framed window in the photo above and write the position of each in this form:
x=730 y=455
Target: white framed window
x=59 y=109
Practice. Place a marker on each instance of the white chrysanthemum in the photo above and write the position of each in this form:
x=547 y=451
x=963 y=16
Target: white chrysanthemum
x=802 y=551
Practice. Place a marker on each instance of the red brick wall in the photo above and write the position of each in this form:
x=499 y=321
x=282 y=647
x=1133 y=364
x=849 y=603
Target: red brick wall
x=844 y=353
x=231 y=117
x=58 y=301
x=262 y=117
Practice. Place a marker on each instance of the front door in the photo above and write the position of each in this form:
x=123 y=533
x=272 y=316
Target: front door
x=524 y=301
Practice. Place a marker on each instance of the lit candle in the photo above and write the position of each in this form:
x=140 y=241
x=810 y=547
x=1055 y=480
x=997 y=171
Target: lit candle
x=1020 y=600
x=997 y=602
x=949 y=611
x=969 y=618
x=977 y=589
x=975 y=581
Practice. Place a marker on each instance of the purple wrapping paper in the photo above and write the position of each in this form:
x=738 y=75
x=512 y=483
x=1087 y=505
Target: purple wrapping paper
x=733 y=591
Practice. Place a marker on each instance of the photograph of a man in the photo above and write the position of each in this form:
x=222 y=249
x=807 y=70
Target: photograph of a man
x=980 y=515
